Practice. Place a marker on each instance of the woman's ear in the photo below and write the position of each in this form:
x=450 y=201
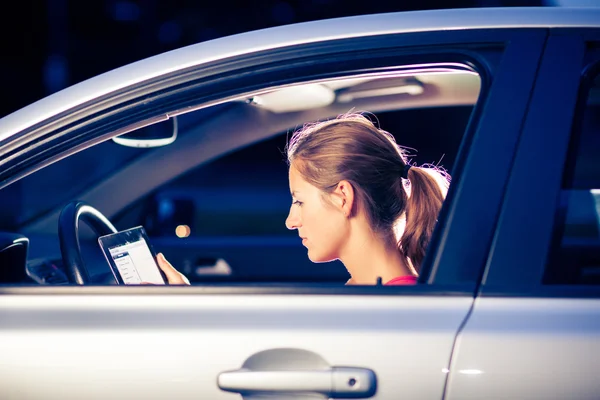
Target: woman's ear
x=344 y=197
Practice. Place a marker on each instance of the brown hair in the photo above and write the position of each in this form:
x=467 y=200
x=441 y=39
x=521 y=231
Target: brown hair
x=350 y=147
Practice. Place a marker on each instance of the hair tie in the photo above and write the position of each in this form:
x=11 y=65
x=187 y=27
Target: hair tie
x=405 y=171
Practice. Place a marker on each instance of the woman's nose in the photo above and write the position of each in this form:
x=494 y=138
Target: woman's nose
x=292 y=221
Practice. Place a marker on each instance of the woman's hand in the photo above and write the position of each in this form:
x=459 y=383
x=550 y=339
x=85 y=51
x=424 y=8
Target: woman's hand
x=173 y=276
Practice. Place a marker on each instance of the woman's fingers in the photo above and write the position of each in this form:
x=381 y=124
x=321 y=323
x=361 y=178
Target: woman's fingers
x=173 y=276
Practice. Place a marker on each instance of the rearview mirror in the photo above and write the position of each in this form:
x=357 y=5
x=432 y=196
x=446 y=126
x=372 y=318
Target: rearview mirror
x=159 y=134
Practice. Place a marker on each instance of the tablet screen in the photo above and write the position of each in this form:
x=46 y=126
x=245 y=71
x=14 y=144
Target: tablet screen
x=129 y=253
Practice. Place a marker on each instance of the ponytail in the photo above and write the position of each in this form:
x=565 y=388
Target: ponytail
x=428 y=187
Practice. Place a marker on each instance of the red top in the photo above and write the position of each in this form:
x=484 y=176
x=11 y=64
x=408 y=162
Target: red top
x=402 y=280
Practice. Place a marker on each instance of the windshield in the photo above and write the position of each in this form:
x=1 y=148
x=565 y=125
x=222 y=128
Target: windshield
x=52 y=186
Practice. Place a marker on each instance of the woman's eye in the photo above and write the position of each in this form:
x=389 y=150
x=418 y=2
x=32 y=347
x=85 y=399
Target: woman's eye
x=297 y=203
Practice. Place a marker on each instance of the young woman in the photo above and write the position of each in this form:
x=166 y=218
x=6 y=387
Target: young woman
x=356 y=198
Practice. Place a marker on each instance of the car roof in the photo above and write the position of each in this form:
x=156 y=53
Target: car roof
x=288 y=35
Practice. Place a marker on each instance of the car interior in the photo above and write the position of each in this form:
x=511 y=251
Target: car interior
x=211 y=190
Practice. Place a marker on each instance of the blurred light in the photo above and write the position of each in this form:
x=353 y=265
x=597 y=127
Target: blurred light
x=296 y=98
x=166 y=209
x=125 y=11
x=219 y=268
x=169 y=32
x=55 y=73
x=470 y=371
x=183 y=231
x=445 y=370
x=411 y=89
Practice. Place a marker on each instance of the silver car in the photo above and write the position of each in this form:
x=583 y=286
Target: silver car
x=507 y=305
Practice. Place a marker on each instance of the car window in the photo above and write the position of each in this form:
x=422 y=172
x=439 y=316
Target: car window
x=574 y=256
x=223 y=217
x=221 y=220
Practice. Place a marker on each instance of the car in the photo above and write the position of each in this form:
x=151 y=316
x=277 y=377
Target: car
x=508 y=300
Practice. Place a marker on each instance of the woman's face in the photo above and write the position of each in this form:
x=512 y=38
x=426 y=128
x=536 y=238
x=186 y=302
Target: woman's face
x=321 y=226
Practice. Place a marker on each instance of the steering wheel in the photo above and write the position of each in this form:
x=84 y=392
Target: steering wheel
x=68 y=233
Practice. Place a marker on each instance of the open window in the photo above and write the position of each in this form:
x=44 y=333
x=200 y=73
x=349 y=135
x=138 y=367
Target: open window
x=214 y=201
x=224 y=220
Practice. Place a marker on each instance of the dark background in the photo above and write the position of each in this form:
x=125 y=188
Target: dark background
x=49 y=45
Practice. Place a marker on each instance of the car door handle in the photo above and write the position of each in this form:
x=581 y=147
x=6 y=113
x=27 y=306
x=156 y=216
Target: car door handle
x=335 y=382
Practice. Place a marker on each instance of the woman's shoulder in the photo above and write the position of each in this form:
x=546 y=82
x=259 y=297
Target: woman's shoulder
x=402 y=280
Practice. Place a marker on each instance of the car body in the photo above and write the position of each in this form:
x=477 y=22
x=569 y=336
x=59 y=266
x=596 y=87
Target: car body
x=492 y=316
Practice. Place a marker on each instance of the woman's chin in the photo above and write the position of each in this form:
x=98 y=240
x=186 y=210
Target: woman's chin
x=318 y=258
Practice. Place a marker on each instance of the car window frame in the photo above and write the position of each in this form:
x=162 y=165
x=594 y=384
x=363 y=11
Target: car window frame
x=517 y=264
x=491 y=127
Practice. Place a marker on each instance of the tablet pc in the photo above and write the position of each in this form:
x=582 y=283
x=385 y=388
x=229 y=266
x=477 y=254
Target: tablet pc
x=131 y=258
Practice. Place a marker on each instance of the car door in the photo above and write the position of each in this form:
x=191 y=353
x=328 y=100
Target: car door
x=304 y=340
x=535 y=328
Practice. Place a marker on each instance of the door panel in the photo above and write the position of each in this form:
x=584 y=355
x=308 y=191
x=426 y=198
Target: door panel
x=514 y=348
x=156 y=346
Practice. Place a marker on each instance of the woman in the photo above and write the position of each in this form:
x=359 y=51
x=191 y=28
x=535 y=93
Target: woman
x=356 y=198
